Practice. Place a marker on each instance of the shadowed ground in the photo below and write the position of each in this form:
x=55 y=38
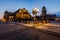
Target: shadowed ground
x=20 y=32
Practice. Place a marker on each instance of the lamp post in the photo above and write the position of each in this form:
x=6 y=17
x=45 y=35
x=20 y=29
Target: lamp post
x=35 y=11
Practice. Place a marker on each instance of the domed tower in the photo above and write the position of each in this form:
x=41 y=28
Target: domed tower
x=44 y=15
x=44 y=11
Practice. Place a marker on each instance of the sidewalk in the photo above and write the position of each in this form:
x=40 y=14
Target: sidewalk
x=49 y=27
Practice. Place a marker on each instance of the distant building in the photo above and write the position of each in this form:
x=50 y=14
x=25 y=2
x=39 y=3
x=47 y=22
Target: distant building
x=58 y=19
x=19 y=15
x=9 y=16
x=44 y=11
x=24 y=15
x=46 y=16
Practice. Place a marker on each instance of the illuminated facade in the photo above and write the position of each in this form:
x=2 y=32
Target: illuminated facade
x=24 y=15
x=19 y=15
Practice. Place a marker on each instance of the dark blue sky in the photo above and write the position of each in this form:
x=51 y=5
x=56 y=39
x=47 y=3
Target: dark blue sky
x=52 y=6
